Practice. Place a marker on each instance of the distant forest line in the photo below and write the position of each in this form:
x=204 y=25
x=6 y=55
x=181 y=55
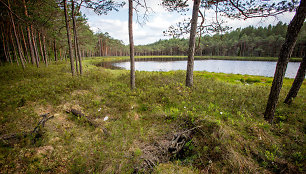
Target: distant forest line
x=249 y=41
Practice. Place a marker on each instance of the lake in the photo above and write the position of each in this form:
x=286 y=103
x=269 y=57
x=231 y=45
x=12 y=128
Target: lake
x=259 y=68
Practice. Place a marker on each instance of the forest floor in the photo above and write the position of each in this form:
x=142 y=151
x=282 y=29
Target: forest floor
x=224 y=110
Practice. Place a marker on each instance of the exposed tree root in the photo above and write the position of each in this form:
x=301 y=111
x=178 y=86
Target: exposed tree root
x=163 y=150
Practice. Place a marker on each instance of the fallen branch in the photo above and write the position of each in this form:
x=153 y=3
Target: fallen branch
x=35 y=131
x=42 y=122
x=79 y=114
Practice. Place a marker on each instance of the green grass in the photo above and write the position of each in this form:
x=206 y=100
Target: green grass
x=234 y=137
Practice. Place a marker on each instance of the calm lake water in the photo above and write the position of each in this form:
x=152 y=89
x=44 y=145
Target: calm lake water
x=260 y=68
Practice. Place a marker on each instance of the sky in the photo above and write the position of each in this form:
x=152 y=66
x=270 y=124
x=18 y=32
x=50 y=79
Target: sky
x=116 y=23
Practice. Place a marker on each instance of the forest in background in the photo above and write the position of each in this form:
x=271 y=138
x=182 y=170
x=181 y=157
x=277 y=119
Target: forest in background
x=40 y=26
x=249 y=41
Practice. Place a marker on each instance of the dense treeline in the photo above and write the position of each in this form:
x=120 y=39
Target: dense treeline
x=250 y=41
x=34 y=32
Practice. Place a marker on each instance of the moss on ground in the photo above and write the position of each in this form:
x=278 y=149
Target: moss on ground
x=233 y=136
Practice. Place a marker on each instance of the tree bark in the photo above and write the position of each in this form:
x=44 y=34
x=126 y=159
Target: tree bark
x=4 y=48
x=14 y=48
x=45 y=49
x=69 y=39
x=33 y=56
x=29 y=34
x=35 y=47
x=54 y=47
x=76 y=44
x=40 y=47
x=283 y=59
x=17 y=40
x=191 y=49
x=297 y=83
x=25 y=46
x=74 y=38
x=132 y=60
x=8 y=48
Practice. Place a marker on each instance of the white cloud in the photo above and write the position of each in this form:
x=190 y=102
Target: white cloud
x=116 y=28
x=257 y=22
x=116 y=23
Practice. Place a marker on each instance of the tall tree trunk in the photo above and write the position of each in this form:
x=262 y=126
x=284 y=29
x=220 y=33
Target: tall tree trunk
x=283 y=59
x=76 y=45
x=17 y=40
x=8 y=48
x=45 y=49
x=14 y=48
x=35 y=47
x=80 y=57
x=33 y=58
x=132 y=71
x=4 y=47
x=54 y=47
x=25 y=46
x=69 y=39
x=60 y=54
x=40 y=47
x=298 y=81
x=191 y=49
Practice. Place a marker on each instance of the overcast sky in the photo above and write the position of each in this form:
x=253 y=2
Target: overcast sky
x=116 y=23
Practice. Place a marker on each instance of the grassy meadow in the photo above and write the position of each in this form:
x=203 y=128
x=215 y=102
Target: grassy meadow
x=232 y=136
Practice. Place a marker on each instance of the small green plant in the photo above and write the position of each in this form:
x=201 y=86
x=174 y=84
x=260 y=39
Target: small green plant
x=137 y=152
x=270 y=156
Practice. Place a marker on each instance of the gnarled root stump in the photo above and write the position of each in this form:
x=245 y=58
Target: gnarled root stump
x=163 y=150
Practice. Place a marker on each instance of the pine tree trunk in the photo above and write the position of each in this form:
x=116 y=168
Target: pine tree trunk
x=4 y=47
x=14 y=48
x=80 y=57
x=35 y=47
x=17 y=40
x=132 y=61
x=69 y=39
x=298 y=81
x=8 y=48
x=76 y=44
x=45 y=49
x=191 y=49
x=25 y=46
x=33 y=58
x=54 y=48
x=283 y=59
x=41 y=49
